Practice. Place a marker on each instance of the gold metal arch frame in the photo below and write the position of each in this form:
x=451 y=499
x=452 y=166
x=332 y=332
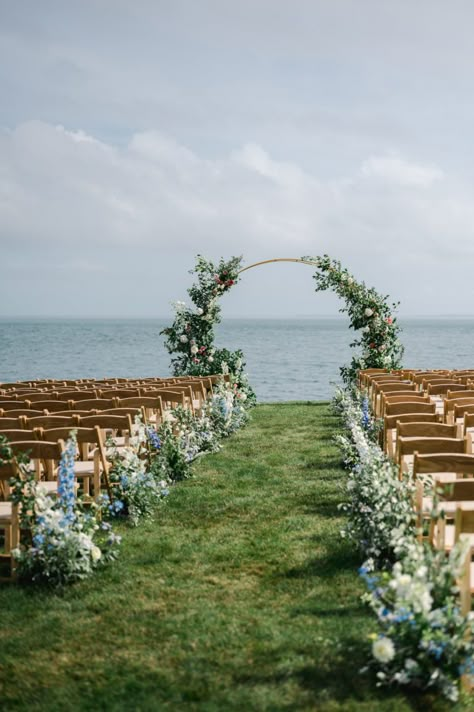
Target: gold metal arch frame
x=278 y=259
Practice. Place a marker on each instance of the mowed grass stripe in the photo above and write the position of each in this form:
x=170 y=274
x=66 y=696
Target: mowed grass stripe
x=241 y=595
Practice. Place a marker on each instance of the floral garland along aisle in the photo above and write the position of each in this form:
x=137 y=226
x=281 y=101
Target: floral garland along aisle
x=423 y=641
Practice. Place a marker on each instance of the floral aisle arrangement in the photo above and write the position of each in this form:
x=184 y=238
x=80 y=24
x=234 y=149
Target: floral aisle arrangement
x=67 y=541
x=190 y=339
x=379 y=507
x=176 y=443
x=136 y=490
x=369 y=312
x=423 y=639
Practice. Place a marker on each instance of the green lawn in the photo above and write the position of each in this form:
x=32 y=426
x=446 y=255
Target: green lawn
x=240 y=596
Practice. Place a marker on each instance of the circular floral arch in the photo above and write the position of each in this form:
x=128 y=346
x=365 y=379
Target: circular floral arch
x=190 y=339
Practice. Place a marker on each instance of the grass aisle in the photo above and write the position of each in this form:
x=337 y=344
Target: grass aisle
x=242 y=595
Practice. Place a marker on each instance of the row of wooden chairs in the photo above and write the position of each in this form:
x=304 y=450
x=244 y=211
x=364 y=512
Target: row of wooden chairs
x=423 y=433
x=37 y=417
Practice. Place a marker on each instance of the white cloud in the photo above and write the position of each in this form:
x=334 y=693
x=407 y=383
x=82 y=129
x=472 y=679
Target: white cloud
x=64 y=193
x=397 y=170
x=59 y=186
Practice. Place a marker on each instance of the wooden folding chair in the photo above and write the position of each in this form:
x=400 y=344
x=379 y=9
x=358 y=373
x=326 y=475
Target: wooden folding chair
x=152 y=406
x=50 y=421
x=9 y=524
x=390 y=424
x=118 y=426
x=407 y=446
x=44 y=459
x=402 y=397
x=92 y=465
x=93 y=404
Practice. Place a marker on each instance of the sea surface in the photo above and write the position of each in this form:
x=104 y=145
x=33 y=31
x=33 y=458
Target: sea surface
x=287 y=359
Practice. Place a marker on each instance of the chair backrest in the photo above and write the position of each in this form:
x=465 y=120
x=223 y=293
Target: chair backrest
x=50 y=421
x=132 y=411
x=435 y=380
x=458 y=463
x=366 y=373
x=401 y=397
x=405 y=408
x=8 y=470
x=74 y=412
x=153 y=402
x=453 y=395
x=23 y=411
x=456 y=491
x=419 y=376
x=52 y=406
x=393 y=387
x=148 y=405
x=425 y=430
x=169 y=397
x=450 y=402
x=93 y=404
x=120 y=393
x=460 y=409
x=76 y=395
x=34 y=397
x=14 y=404
x=83 y=435
x=11 y=423
x=106 y=421
x=406 y=396
x=18 y=435
x=39 y=449
x=427 y=445
x=42 y=454
x=442 y=388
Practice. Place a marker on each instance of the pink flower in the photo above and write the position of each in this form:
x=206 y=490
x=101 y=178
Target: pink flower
x=389 y=320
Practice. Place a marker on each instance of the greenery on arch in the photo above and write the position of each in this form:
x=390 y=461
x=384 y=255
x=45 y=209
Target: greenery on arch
x=190 y=339
x=369 y=312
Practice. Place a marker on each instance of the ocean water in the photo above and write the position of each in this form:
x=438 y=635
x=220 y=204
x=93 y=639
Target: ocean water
x=287 y=359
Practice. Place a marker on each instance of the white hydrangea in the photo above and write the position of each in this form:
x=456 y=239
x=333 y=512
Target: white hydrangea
x=383 y=649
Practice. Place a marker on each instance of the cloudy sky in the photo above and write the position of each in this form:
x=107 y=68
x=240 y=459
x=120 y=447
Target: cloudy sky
x=135 y=134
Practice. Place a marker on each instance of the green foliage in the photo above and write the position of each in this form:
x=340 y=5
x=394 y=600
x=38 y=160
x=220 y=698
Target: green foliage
x=190 y=339
x=369 y=312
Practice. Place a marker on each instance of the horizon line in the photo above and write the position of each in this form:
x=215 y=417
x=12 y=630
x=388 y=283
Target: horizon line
x=8 y=317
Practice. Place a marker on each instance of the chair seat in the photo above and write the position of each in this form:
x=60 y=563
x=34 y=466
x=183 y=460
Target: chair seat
x=5 y=513
x=83 y=469
x=121 y=440
x=449 y=540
